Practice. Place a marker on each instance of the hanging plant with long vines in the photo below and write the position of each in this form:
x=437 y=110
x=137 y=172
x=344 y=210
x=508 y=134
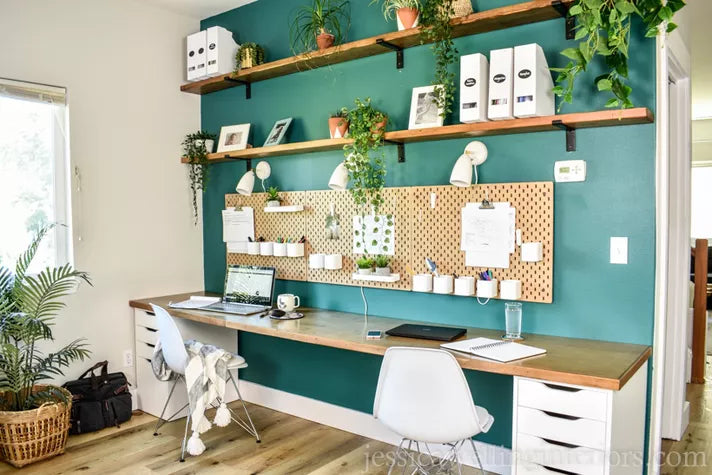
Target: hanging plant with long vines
x=604 y=26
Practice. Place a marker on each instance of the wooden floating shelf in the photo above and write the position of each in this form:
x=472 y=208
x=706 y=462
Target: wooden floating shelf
x=480 y=22
x=577 y=120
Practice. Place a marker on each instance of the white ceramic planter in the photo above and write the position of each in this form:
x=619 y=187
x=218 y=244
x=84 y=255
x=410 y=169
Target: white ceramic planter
x=465 y=286
x=487 y=289
x=442 y=284
x=368 y=271
x=266 y=248
x=295 y=249
x=383 y=271
x=333 y=261
x=423 y=283
x=253 y=248
x=273 y=204
x=510 y=289
x=316 y=261
x=280 y=249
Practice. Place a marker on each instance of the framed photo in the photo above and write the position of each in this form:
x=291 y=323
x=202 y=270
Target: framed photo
x=233 y=137
x=424 y=110
x=278 y=133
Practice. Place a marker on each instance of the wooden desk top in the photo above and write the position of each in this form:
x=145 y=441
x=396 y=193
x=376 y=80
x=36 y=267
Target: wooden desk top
x=591 y=363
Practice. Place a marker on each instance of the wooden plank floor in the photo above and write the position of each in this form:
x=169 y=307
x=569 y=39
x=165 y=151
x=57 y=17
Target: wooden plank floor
x=695 y=448
x=290 y=445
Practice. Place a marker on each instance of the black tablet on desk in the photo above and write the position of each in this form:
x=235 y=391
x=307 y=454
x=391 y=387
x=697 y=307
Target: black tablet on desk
x=426 y=332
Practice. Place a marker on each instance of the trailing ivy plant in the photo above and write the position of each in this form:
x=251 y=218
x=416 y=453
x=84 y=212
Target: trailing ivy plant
x=364 y=157
x=196 y=153
x=435 y=25
x=604 y=27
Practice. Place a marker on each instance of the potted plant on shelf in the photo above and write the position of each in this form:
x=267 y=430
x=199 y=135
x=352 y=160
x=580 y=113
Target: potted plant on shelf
x=249 y=55
x=406 y=12
x=365 y=265
x=319 y=25
x=367 y=127
x=339 y=124
x=34 y=417
x=273 y=199
x=196 y=147
x=381 y=262
x=605 y=28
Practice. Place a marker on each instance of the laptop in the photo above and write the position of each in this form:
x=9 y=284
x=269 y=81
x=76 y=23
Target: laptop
x=426 y=332
x=248 y=290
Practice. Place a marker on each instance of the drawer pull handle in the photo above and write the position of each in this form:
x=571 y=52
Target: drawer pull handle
x=562 y=444
x=151 y=329
x=562 y=388
x=149 y=313
x=558 y=470
x=561 y=416
x=152 y=346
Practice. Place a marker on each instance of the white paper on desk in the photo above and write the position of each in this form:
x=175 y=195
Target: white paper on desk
x=195 y=301
x=488 y=230
x=238 y=228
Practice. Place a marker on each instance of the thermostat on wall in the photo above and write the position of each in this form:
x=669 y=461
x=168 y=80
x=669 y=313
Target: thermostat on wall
x=570 y=170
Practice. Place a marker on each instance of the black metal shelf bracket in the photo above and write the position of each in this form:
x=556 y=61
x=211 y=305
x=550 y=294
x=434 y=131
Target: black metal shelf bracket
x=563 y=10
x=248 y=160
x=248 y=86
x=401 y=149
x=570 y=134
x=396 y=48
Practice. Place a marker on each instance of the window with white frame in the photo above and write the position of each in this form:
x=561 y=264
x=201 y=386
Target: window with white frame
x=34 y=172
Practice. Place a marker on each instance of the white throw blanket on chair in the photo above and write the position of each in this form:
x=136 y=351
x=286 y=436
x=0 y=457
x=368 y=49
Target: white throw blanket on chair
x=205 y=377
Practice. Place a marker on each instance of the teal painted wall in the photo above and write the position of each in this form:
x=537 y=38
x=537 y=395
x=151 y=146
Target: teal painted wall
x=592 y=298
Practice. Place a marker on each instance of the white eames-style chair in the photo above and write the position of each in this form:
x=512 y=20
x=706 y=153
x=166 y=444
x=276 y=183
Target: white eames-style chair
x=176 y=358
x=422 y=395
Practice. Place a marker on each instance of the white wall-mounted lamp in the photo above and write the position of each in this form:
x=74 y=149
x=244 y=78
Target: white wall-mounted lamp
x=247 y=182
x=475 y=154
x=339 y=178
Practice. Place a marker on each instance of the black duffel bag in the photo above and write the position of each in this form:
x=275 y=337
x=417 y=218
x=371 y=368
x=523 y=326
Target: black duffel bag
x=99 y=401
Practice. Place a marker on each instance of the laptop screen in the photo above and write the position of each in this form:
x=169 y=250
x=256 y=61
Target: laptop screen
x=249 y=284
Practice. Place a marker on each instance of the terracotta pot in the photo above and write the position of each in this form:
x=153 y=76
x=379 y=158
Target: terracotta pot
x=407 y=18
x=338 y=127
x=380 y=125
x=324 y=40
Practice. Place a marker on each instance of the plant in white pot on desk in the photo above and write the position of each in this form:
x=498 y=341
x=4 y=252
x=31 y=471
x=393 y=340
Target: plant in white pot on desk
x=365 y=265
x=381 y=263
x=34 y=416
x=273 y=199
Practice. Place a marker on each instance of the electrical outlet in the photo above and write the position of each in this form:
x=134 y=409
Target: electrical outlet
x=128 y=359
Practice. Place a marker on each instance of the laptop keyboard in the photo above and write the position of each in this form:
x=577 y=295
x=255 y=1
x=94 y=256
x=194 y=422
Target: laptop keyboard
x=237 y=307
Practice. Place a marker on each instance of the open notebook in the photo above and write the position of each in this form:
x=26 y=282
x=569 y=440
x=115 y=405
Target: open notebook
x=498 y=350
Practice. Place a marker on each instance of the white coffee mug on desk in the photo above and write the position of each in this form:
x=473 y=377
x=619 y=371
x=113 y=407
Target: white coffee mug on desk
x=288 y=302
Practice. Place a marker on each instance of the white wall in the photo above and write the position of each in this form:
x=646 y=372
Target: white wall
x=122 y=62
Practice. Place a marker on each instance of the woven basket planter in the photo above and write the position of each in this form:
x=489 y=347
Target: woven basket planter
x=37 y=434
x=462 y=7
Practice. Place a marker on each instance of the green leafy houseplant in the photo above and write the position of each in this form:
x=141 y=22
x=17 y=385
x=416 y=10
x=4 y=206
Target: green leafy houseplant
x=273 y=195
x=194 y=149
x=364 y=263
x=435 y=26
x=367 y=127
x=382 y=261
x=391 y=7
x=249 y=55
x=319 y=25
x=604 y=26
x=29 y=305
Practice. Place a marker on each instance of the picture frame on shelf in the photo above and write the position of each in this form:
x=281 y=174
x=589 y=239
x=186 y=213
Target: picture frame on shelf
x=278 y=134
x=424 y=110
x=233 y=137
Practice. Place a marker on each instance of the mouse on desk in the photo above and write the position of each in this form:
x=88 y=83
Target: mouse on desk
x=275 y=312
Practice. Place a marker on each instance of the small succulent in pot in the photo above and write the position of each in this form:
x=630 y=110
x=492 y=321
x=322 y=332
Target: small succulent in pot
x=249 y=55
x=273 y=199
x=381 y=262
x=365 y=265
x=339 y=123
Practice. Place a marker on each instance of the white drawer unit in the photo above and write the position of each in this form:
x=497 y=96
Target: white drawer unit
x=152 y=393
x=563 y=428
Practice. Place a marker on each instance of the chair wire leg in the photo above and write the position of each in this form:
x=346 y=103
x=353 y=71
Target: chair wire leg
x=160 y=420
x=405 y=466
x=479 y=462
x=185 y=438
x=395 y=457
x=244 y=407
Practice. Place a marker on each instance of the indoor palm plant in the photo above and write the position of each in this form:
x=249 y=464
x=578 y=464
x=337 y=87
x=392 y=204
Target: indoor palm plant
x=319 y=25
x=196 y=147
x=605 y=28
x=34 y=417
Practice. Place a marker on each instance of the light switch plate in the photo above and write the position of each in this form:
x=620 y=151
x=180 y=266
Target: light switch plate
x=619 y=250
x=568 y=171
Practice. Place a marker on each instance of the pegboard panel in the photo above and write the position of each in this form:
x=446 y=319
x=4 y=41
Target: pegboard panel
x=319 y=203
x=272 y=226
x=436 y=232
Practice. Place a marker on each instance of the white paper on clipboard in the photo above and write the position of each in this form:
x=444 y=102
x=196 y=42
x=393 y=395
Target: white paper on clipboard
x=238 y=228
x=488 y=235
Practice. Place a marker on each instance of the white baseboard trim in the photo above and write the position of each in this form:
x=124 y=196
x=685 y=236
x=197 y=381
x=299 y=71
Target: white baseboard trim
x=494 y=459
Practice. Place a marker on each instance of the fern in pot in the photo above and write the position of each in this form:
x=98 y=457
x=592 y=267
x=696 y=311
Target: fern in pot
x=34 y=415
